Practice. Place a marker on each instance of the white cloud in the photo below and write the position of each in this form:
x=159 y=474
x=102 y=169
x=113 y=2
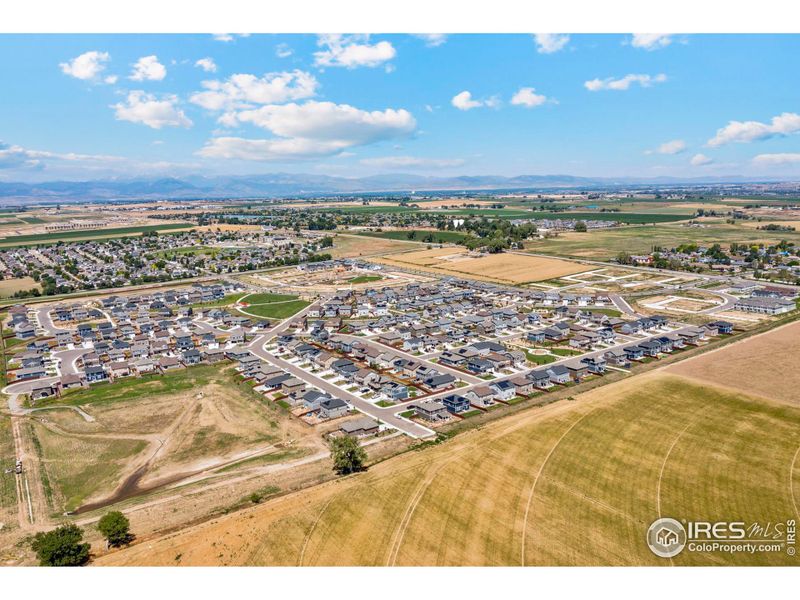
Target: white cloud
x=528 y=97
x=243 y=90
x=783 y=158
x=17 y=157
x=147 y=68
x=308 y=130
x=207 y=64
x=623 y=83
x=111 y=79
x=432 y=39
x=411 y=162
x=283 y=51
x=87 y=66
x=548 y=43
x=465 y=101
x=751 y=131
x=352 y=51
x=651 y=41
x=141 y=107
x=229 y=37
x=698 y=160
x=671 y=147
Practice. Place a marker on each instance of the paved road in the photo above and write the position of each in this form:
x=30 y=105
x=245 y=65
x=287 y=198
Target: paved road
x=384 y=348
x=66 y=360
x=728 y=303
x=46 y=321
x=387 y=415
x=623 y=305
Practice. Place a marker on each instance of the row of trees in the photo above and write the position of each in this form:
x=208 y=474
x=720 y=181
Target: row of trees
x=64 y=545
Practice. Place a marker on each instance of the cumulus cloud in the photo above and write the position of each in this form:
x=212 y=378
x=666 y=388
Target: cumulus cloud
x=528 y=97
x=548 y=43
x=228 y=37
x=624 y=83
x=283 y=51
x=432 y=39
x=352 y=51
x=147 y=68
x=308 y=130
x=242 y=90
x=671 y=147
x=651 y=41
x=207 y=64
x=411 y=162
x=141 y=107
x=465 y=101
x=751 y=131
x=699 y=160
x=87 y=66
x=783 y=158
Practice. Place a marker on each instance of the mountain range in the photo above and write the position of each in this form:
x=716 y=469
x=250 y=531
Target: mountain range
x=290 y=184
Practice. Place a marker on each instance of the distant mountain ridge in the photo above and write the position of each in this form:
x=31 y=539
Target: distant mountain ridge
x=275 y=185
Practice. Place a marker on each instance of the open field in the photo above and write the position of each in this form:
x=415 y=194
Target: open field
x=140 y=440
x=439 y=237
x=8 y=485
x=503 y=268
x=572 y=483
x=88 y=234
x=9 y=286
x=606 y=244
x=352 y=246
x=767 y=365
x=275 y=310
x=265 y=298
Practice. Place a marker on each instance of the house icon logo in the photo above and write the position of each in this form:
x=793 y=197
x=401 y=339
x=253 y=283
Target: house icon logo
x=666 y=537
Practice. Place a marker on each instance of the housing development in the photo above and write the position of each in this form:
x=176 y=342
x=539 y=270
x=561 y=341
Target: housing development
x=398 y=300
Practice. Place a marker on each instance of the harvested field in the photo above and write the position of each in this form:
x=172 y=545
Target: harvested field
x=9 y=286
x=503 y=268
x=350 y=246
x=765 y=365
x=571 y=483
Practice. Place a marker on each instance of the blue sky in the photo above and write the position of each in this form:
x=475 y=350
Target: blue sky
x=95 y=106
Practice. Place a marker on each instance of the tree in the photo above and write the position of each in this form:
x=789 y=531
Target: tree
x=580 y=226
x=61 y=547
x=348 y=456
x=116 y=528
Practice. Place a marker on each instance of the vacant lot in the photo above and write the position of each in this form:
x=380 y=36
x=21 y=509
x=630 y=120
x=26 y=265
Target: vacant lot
x=765 y=365
x=89 y=234
x=192 y=423
x=572 y=483
x=9 y=286
x=348 y=246
x=505 y=268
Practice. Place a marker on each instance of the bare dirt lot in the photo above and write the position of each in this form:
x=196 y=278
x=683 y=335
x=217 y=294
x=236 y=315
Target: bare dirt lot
x=765 y=365
x=9 y=286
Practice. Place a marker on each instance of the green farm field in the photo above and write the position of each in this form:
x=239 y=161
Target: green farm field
x=87 y=234
x=606 y=244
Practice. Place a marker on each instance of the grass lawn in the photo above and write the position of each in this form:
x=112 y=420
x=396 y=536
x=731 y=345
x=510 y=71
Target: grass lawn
x=539 y=359
x=571 y=483
x=365 y=278
x=277 y=310
x=133 y=388
x=384 y=403
x=266 y=298
x=224 y=301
